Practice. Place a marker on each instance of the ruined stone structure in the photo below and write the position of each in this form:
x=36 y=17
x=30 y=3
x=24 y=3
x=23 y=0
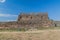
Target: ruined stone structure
x=35 y=20
x=29 y=21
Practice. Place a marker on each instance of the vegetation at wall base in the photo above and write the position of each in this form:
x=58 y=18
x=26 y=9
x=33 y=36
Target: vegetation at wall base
x=26 y=29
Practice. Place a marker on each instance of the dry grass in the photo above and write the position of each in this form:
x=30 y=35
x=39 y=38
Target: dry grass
x=31 y=35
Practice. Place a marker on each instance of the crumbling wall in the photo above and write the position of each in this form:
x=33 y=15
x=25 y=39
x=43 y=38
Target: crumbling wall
x=29 y=21
x=40 y=20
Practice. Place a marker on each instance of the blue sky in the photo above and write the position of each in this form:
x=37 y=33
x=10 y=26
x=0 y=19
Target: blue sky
x=10 y=9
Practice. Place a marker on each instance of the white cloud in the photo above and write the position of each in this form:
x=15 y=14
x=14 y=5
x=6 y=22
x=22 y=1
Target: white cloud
x=2 y=1
x=7 y=20
x=8 y=15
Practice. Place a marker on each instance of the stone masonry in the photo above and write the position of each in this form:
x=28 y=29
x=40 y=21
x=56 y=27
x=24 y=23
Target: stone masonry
x=35 y=20
x=29 y=21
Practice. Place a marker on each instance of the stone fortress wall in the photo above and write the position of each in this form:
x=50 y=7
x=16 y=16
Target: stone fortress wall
x=29 y=20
